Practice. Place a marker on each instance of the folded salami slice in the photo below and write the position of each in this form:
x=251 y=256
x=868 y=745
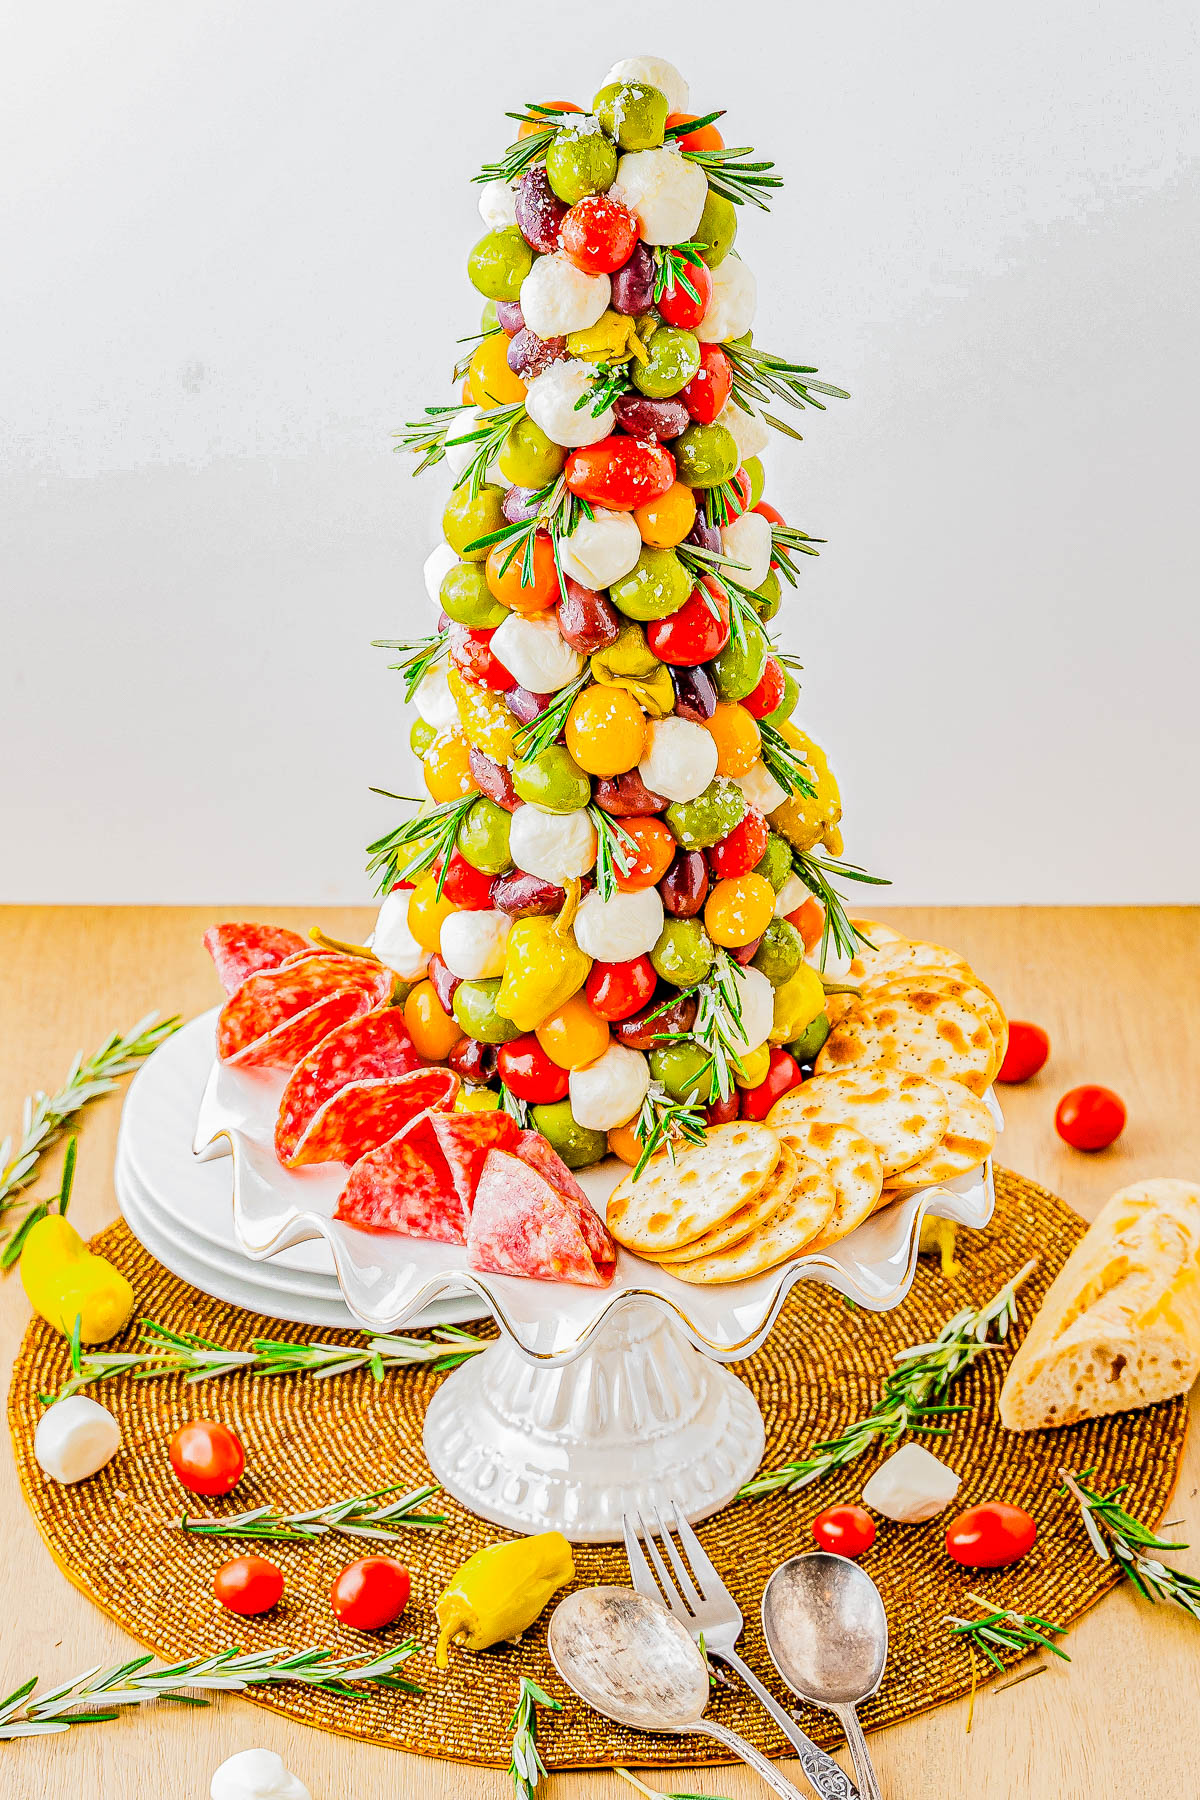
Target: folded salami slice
x=405 y=1186
x=365 y=1114
x=521 y=1224
x=239 y=950
x=278 y=1015
x=465 y=1139
x=371 y=1048
x=541 y=1155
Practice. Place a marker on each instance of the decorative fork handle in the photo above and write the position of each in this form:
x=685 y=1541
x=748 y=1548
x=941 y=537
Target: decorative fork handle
x=749 y=1755
x=829 y=1780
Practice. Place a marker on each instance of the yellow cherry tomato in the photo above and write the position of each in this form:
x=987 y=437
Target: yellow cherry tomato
x=476 y=1099
x=623 y=1142
x=490 y=380
x=606 y=730
x=448 y=767
x=433 y=1032
x=737 y=737
x=739 y=910
x=573 y=1035
x=666 y=521
x=755 y=1066
x=426 y=913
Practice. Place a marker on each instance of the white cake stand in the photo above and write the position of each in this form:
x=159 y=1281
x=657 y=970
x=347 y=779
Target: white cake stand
x=592 y=1400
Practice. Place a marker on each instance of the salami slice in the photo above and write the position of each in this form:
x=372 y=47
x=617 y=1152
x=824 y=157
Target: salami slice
x=370 y=1048
x=405 y=1186
x=541 y=1155
x=521 y=1224
x=466 y=1138
x=263 y=1025
x=365 y=1114
x=239 y=950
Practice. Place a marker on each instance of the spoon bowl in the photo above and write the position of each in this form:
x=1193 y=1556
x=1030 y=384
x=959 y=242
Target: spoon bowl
x=826 y=1628
x=629 y=1659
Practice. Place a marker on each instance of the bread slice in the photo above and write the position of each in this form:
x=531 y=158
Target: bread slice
x=1120 y=1326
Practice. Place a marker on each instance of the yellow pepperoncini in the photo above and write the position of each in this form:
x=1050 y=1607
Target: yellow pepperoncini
x=630 y=663
x=804 y=819
x=543 y=967
x=484 y=717
x=612 y=339
x=939 y=1238
x=66 y=1282
x=500 y=1591
x=798 y=1001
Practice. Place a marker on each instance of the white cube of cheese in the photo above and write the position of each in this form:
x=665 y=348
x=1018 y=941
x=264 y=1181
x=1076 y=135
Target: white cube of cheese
x=910 y=1486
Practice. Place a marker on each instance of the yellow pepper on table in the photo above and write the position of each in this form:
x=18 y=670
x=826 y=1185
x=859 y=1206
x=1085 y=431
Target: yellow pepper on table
x=500 y=1591
x=543 y=967
x=65 y=1281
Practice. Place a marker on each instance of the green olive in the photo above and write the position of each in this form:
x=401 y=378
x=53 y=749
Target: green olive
x=780 y=953
x=717 y=229
x=767 y=597
x=529 y=458
x=789 y=703
x=420 y=736
x=805 y=1047
x=684 y=952
x=474 y=1008
x=488 y=321
x=467 y=599
x=681 y=1070
x=673 y=358
x=578 y=163
x=705 y=455
x=552 y=780
x=483 y=837
x=757 y=476
x=775 y=863
x=575 y=1143
x=656 y=586
x=699 y=824
x=466 y=519
x=633 y=112
x=499 y=263
x=738 y=668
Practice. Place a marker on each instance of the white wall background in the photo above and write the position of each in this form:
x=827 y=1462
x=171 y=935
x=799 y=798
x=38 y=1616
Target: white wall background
x=234 y=237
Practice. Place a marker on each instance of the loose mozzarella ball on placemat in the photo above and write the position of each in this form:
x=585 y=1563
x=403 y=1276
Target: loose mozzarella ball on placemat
x=667 y=194
x=747 y=539
x=438 y=564
x=619 y=929
x=551 y=404
x=393 y=942
x=656 y=72
x=535 y=653
x=76 y=1437
x=497 y=205
x=557 y=296
x=601 y=549
x=556 y=847
x=610 y=1091
x=472 y=944
x=680 y=758
x=734 y=302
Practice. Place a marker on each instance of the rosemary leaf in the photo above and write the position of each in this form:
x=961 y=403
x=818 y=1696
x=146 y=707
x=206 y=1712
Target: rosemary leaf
x=526 y=1768
x=1118 y=1537
x=358 y=1516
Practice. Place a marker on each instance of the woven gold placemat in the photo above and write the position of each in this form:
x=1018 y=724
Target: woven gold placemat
x=311 y=1441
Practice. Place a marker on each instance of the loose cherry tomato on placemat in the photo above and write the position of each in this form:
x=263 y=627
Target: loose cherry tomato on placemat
x=1028 y=1048
x=846 y=1530
x=370 y=1593
x=208 y=1458
x=1090 y=1118
x=990 y=1536
x=248 y=1585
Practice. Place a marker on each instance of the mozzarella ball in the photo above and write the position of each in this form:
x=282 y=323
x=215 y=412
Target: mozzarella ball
x=680 y=759
x=256 y=1775
x=550 y=403
x=75 y=1438
x=610 y=1091
x=656 y=72
x=498 y=206
x=747 y=539
x=472 y=944
x=761 y=788
x=434 y=701
x=792 y=894
x=555 y=847
x=535 y=652
x=438 y=565
x=392 y=941
x=757 y=998
x=836 y=963
x=665 y=191
x=557 y=296
x=747 y=429
x=619 y=929
x=601 y=549
x=734 y=300
x=459 y=454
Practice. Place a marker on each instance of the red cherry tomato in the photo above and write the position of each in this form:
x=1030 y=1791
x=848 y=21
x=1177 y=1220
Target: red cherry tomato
x=769 y=693
x=1090 y=1118
x=723 y=1112
x=620 y=472
x=707 y=138
x=528 y=1072
x=248 y=1585
x=697 y=632
x=471 y=655
x=741 y=849
x=708 y=390
x=809 y=920
x=678 y=306
x=599 y=234
x=207 y=1458
x=783 y=1074
x=1028 y=1048
x=846 y=1530
x=739 y=502
x=618 y=990
x=370 y=1593
x=465 y=885
x=991 y=1536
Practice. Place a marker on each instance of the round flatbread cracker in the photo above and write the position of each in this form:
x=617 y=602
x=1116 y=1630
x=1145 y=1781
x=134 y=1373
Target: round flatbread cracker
x=927 y=1033
x=969 y=1140
x=852 y=1163
x=907 y=959
x=674 y=1203
x=962 y=986
x=803 y=1215
x=904 y=1116
x=769 y=1198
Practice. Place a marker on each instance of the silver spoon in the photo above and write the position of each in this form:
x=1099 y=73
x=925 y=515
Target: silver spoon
x=630 y=1660
x=826 y=1630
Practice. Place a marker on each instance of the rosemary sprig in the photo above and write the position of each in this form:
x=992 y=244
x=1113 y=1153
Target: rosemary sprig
x=431 y=834
x=723 y=502
x=789 y=768
x=732 y=177
x=445 y=426
x=419 y=654
x=164 y=1353
x=515 y=1107
x=427 y=437
x=670 y=268
x=56 y=1203
x=684 y=128
x=473 y=339
x=912 y=1394
x=558 y=513
x=717 y=1027
x=26 y=1713
x=357 y=1517
x=1118 y=1537
x=616 y=851
x=760 y=377
x=526 y=1769
x=524 y=151
x=543 y=729
x=662 y=1121
x=1006 y=1630
x=741 y=600
x=609 y=382
x=786 y=541
x=815 y=872
x=44 y=1116
x=660 y=1793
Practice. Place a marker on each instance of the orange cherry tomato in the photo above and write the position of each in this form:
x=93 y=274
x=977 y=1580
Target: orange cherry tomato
x=432 y=1029
x=623 y=1141
x=666 y=521
x=491 y=381
x=739 y=910
x=1028 y=1048
x=606 y=730
x=735 y=733
x=540 y=122
x=809 y=920
x=248 y=1585
x=1090 y=1118
x=707 y=138
x=207 y=1457
x=656 y=849
x=573 y=1036
x=507 y=585
x=447 y=767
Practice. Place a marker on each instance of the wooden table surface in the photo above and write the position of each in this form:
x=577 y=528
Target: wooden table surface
x=1117 y=989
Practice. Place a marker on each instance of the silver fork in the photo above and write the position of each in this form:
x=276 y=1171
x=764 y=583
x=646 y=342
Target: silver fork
x=709 y=1611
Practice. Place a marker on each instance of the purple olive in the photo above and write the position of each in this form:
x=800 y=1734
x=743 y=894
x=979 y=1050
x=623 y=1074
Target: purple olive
x=642 y=418
x=627 y=796
x=530 y=356
x=633 y=283
x=695 y=693
x=704 y=535
x=684 y=887
x=443 y=983
x=518 y=505
x=473 y=1059
x=509 y=317
x=494 y=780
x=642 y=1031
x=521 y=895
x=586 y=619
x=744 y=952
x=540 y=212
x=526 y=706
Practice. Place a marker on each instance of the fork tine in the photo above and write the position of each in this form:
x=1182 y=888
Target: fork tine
x=677 y=1563
x=675 y=1599
x=639 y=1568
x=704 y=1571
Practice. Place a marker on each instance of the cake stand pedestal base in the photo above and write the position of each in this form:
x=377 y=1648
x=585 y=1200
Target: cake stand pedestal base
x=640 y=1420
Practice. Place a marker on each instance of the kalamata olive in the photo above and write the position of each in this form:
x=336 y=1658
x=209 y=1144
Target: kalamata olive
x=521 y=895
x=442 y=982
x=494 y=780
x=530 y=356
x=721 y=1112
x=661 y=419
x=745 y=952
x=626 y=796
x=524 y=705
x=642 y=1031
x=509 y=317
x=704 y=535
x=695 y=693
x=633 y=283
x=443 y=619
x=586 y=619
x=519 y=504
x=540 y=212
x=684 y=887
x=473 y=1059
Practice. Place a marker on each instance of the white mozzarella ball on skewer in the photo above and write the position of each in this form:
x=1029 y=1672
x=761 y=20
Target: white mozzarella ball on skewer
x=556 y=847
x=557 y=297
x=609 y=1092
x=747 y=540
x=601 y=549
x=757 y=1000
x=393 y=942
x=472 y=944
x=618 y=929
x=551 y=402
x=498 y=205
x=434 y=701
x=747 y=429
x=438 y=564
x=734 y=302
x=535 y=652
x=656 y=72
x=665 y=192
x=791 y=895
x=760 y=787
x=680 y=758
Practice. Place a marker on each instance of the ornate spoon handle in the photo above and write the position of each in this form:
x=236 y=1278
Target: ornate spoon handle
x=830 y=1781
x=749 y=1755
